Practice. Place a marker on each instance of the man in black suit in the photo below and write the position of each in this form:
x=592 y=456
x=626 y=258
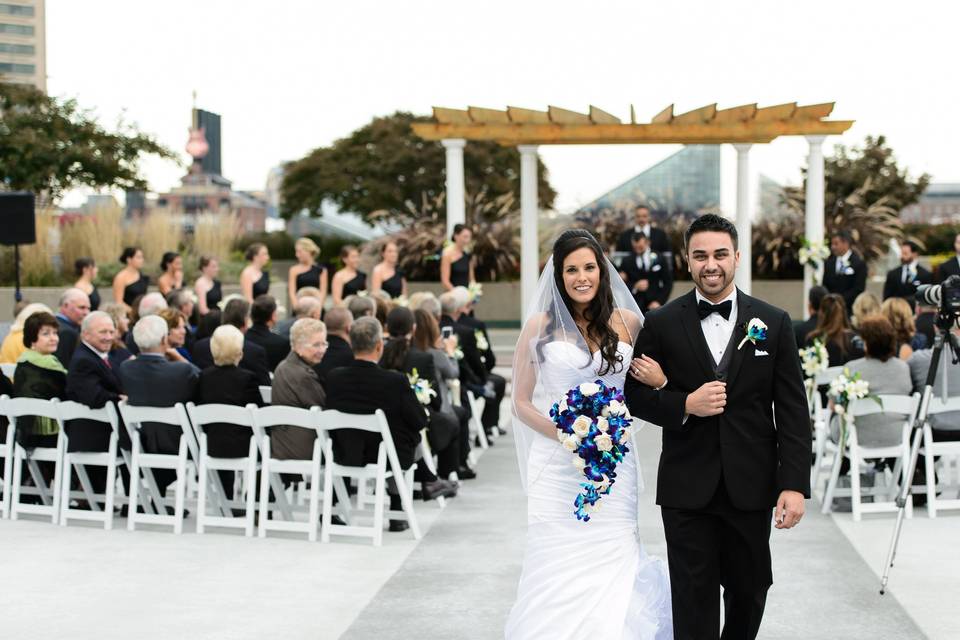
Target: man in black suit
x=724 y=465
x=150 y=380
x=339 y=353
x=802 y=328
x=648 y=277
x=952 y=266
x=659 y=242
x=236 y=313
x=363 y=387
x=902 y=281
x=74 y=307
x=263 y=314
x=844 y=272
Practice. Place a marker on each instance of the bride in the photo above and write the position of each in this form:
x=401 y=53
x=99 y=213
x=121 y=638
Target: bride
x=580 y=579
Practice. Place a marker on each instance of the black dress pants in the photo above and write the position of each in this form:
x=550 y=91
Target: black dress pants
x=718 y=545
x=443 y=433
x=491 y=409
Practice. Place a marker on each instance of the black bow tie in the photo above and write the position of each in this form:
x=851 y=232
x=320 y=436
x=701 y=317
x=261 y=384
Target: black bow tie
x=704 y=309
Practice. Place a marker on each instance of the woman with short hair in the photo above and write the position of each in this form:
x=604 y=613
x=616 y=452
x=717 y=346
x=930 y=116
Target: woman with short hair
x=41 y=375
x=296 y=384
x=306 y=273
x=176 y=335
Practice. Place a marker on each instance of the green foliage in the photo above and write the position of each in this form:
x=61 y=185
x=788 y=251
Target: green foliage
x=933 y=238
x=872 y=169
x=49 y=145
x=383 y=168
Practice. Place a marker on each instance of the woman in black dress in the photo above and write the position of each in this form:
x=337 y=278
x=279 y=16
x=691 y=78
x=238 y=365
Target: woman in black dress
x=86 y=271
x=306 y=273
x=349 y=280
x=456 y=264
x=207 y=287
x=171 y=272
x=387 y=276
x=129 y=283
x=254 y=279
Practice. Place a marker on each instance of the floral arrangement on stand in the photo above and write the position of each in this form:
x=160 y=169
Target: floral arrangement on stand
x=594 y=424
x=844 y=389
x=814 y=359
x=814 y=253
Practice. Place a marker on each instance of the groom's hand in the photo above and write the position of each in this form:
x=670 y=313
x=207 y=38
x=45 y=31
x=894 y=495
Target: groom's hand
x=790 y=508
x=708 y=400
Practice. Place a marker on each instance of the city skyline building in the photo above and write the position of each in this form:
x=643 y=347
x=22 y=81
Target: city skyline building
x=23 y=43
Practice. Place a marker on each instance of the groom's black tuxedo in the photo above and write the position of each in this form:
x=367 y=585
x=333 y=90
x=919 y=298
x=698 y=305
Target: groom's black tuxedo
x=720 y=476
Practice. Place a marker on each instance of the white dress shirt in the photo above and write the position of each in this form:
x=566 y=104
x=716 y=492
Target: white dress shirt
x=844 y=261
x=643 y=260
x=645 y=229
x=908 y=272
x=103 y=356
x=716 y=330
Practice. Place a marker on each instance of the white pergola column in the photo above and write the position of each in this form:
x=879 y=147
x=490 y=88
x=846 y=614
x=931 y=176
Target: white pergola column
x=456 y=192
x=744 y=221
x=814 y=214
x=529 y=233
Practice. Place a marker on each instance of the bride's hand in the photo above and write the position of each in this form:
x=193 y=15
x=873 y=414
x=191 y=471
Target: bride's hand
x=647 y=371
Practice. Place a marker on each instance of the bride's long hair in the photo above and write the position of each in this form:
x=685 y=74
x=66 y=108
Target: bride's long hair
x=598 y=312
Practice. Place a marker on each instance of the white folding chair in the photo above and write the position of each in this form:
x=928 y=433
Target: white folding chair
x=7 y=368
x=79 y=460
x=266 y=393
x=6 y=456
x=14 y=409
x=947 y=451
x=207 y=466
x=143 y=463
x=387 y=466
x=270 y=468
x=425 y=453
x=898 y=405
x=476 y=410
x=820 y=416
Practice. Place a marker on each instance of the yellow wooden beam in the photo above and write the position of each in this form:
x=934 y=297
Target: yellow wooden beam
x=480 y=114
x=703 y=114
x=599 y=116
x=813 y=111
x=736 y=114
x=565 y=116
x=776 y=112
x=528 y=116
x=664 y=116
x=444 y=115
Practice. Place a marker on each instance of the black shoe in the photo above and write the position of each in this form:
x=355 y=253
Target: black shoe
x=396 y=526
x=466 y=473
x=439 y=487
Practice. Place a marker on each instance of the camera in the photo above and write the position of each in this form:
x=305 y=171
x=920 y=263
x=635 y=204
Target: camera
x=945 y=296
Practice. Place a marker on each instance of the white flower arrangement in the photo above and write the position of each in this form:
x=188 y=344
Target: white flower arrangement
x=813 y=253
x=844 y=389
x=814 y=359
x=422 y=388
x=476 y=292
x=482 y=343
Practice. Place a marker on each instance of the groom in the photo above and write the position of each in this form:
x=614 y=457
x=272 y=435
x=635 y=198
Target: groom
x=736 y=437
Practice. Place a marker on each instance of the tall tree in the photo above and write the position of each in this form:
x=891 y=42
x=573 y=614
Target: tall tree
x=383 y=168
x=48 y=146
x=872 y=169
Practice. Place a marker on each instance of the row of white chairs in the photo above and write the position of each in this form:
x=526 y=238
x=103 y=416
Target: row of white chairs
x=257 y=473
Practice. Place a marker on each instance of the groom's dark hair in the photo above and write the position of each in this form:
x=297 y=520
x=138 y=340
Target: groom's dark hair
x=710 y=222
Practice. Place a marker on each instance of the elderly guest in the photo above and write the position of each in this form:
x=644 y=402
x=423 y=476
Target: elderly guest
x=121 y=321
x=74 y=306
x=176 y=335
x=39 y=374
x=295 y=384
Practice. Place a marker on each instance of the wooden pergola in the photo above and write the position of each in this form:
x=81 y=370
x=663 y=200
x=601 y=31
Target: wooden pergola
x=740 y=126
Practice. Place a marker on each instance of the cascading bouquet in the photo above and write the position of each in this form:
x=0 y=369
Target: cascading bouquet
x=421 y=387
x=844 y=389
x=814 y=359
x=593 y=422
x=814 y=253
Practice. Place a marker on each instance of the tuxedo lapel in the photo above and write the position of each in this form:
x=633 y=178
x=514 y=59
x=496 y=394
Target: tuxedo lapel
x=691 y=326
x=744 y=303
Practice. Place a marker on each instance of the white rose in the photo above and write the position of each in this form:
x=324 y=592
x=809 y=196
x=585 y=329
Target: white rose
x=571 y=443
x=603 y=425
x=561 y=435
x=581 y=426
x=604 y=443
x=616 y=408
x=605 y=412
x=579 y=463
x=589 y=388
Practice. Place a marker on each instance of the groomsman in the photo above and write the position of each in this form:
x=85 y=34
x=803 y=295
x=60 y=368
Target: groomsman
x=844 y=273
x=647 y=275
x=952 y=266
x=658 y=238
x=902 y=281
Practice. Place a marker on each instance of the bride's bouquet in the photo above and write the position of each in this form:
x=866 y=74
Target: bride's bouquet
x=594 y=424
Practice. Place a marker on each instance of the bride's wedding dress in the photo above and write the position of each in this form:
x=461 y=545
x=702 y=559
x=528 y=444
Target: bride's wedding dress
x=584 y=579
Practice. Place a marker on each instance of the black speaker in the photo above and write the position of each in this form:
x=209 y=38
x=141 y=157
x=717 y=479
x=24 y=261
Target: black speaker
x=17 y=221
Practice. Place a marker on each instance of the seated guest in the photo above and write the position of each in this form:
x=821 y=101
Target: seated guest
x=886 y=374
x=844 y=272
x=150 y=380
x=177 y=334
x=13 y=343
x=182 y=301
x=227 y=383
x=399 y=354
x=207 y=325
x=363 y=387
x=648 y=276
x=833 y=329
x=361 y=306
x=39 y=374
x=903 y=281
x=295 y=384
x=900 y=315
x=148 y=305
x=865 y=305
x=92 y=380
x=383 y=306
x=339 y=353
x=121 y=321
x=263 y=314
x=426 y=337
x=308 y=306
x=801 y=328
x=945 y=426
x=236 y=313
x=74 y=306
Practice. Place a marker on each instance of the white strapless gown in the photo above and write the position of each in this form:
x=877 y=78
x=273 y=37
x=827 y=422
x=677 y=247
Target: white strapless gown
x=585 y=579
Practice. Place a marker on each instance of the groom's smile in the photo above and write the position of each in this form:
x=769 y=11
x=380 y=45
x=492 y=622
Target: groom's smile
x=712 y=261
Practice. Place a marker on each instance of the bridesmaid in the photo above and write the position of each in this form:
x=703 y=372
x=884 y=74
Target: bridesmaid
x=207 y=287
x=86 y=270
x=254 y=281
x=387 y=276
x=349 y=280
x=129 y=283
x=171 y=273
x=456 y=264
x=306 y=273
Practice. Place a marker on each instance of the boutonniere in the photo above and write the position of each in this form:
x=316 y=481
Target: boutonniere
x=756 y=332
x=653 y=256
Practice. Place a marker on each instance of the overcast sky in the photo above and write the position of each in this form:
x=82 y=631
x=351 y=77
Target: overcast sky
x=288 y=76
